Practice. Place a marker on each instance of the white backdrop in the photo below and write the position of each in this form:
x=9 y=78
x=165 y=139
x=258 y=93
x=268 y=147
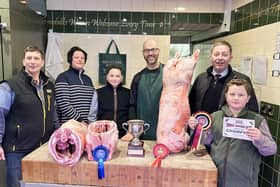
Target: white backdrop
x=131 y=45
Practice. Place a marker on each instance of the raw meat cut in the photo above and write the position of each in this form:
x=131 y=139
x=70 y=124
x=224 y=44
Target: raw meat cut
x=67 y=144
x=174 y=110
x=102 y=132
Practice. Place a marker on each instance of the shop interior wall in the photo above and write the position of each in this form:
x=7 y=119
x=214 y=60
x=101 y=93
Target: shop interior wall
x=261 y=41
x=131 y=45
x=27 y=28
x=258 y=42
x=138 y=5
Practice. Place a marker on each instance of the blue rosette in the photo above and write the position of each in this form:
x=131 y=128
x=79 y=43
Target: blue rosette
x=100 y=155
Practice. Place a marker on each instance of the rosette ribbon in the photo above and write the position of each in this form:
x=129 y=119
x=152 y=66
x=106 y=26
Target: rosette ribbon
x=204 y=122
x=100 y=155
x=160 y=151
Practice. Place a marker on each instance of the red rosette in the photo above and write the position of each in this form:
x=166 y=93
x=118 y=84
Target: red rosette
x=160 y=152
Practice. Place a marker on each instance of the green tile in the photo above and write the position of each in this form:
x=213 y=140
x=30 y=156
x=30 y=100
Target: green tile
x=160 y=17
x=273 y=3
x=182 y=18
x=148 y=23
x=149 y=17
x=273 y=127
x=205 y=18
x=92 y=18
x=103 y=27
x=278 y=179
x=265 y=184
x=217 y=18
x=269 y=160
x=278 y=134
x=193 y=18
x=239 y=15
x=69 y=26
x=254 y=21
x=267 y=172
x=275 y=178
x=260 y=181
x=277 y=162
x=173 y=18
x=232 y=22
x=114 y=22
x=80 y=17
x=50 y=19
x=263 y=108
x=247 y=10
x=58 y=21
x=263 y=4
x=263 y=17
x=246 y=24
x=255 y=7
x=273 y=14
x=239 y=26
x=273 y=111
x=160 y=23
x=127 y=25
x=137 y=17
x=261 y=168
x=232 y=17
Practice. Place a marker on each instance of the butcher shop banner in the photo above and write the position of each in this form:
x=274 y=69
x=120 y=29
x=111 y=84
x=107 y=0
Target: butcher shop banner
x=107 y=59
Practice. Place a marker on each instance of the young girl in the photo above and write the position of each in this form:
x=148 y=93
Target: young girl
x=238 y=161
x=113 y=99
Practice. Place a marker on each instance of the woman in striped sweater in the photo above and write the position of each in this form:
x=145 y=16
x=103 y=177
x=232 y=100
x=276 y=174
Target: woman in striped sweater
x=74 y=89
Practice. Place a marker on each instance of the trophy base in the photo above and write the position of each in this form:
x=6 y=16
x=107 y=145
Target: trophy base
x=136 y=150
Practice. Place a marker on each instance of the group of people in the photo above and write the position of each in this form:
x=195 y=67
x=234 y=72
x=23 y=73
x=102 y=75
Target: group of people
x=32 y=107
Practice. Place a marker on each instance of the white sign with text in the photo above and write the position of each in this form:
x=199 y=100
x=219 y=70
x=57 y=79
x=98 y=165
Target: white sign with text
x=237 y=127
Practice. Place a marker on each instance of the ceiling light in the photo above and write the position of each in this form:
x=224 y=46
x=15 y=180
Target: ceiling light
x=24 y=2
x=38 y=12
x=180 y=9
x=81 y=23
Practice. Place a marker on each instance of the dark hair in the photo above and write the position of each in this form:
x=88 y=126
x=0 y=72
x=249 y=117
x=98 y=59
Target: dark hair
x=222 y=42
x=113 y=66
x=34 y=49
x=71 y=52
x=239 y=82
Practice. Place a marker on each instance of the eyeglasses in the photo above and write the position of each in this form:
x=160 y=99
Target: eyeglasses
x=153 y=50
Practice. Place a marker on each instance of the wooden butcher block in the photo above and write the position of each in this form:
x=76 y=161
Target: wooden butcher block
x=181 y=169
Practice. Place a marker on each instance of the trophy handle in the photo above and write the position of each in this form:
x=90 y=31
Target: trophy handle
x=146 y=127
x=125 y=126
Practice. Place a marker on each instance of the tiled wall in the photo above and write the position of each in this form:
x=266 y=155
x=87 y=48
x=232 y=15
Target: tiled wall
x=105 y=22
x=255 y=14
x=270 y=168
x=262 y=41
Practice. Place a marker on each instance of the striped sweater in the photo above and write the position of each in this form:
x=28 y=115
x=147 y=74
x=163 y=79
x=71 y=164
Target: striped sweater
x=74 y=93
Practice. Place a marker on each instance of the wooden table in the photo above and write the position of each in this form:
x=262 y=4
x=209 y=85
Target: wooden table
x=181 y=169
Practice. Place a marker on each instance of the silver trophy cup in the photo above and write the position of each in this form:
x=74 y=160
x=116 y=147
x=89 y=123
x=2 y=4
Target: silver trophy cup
x=136 y=128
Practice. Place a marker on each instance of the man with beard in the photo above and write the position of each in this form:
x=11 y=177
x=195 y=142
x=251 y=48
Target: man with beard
x=207 y=91
x=146 y=89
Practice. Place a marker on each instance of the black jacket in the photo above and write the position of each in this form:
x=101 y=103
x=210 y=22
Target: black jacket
x=106 y=105
x=28 y=123
x=202 y=82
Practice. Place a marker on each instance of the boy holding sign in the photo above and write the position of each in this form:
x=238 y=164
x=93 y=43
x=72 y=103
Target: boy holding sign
x=238 y=157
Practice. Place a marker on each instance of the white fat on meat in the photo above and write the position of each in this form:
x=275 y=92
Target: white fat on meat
x=174 y=110
x=67 y=144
